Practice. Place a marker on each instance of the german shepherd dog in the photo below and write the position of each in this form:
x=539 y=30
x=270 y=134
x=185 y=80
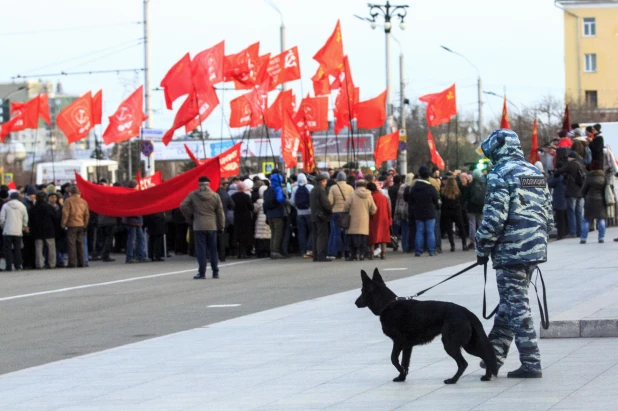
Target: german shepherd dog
x=410 y=322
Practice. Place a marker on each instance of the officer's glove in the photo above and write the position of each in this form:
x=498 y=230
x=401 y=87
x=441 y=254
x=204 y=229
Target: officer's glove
x=481 y=260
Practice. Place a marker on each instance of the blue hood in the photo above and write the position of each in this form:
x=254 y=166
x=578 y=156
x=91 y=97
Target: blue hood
x=276 y=180
x=502 y=145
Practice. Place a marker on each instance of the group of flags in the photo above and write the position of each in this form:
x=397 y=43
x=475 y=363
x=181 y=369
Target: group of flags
x=196 y=78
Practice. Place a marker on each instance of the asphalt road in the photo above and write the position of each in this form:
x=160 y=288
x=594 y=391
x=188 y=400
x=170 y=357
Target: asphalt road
x=52 y=315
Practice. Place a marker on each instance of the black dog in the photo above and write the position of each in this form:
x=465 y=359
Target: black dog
x=410 y=322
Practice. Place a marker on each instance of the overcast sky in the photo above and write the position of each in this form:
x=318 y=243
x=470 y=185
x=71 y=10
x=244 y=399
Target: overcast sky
x=515 y=45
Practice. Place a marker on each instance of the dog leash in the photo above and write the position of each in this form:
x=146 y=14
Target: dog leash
x=544 y=311
x=450 y=278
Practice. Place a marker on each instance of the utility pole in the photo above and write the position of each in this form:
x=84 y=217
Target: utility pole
x=147 y=87
x=480 y=108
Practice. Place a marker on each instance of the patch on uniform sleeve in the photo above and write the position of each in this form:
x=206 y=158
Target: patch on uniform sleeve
x=533 y=182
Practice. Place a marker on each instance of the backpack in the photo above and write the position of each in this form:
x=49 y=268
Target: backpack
x=302 y=198
x=270 y=199
x=581 y=175
x=477 y=193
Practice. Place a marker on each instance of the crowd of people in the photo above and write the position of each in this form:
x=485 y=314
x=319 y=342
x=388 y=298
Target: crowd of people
x=581 y=173
x=336 y=214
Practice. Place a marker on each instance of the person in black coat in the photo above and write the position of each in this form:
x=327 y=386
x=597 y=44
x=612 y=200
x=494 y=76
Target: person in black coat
x=243 y=220
x=156 y=227
x=596 y=149
x=321 y=214
x=180 y=232
x=452 y=212
x=424 y=200
x=223 y=239
x=594 y=206
x=573 y=172
x=42 y=217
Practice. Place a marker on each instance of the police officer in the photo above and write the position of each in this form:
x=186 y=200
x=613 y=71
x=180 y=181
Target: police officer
x=517 y=219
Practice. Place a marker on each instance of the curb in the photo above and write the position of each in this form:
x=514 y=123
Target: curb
x=586 y=320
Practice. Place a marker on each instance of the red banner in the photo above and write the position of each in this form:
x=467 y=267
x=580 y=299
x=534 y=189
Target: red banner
x=330 y=56
x=290 y=140
x=144 y=183
x=504 y=121
x=211 y=63
x=371 y=113
x=386 y=148
x=178 y=81
x=229 y=160
x=125 y=123
x=97 y=107
x=313 y=114
x=435 y=156
x=284 y=67
x=534 y=153
x=120 y=202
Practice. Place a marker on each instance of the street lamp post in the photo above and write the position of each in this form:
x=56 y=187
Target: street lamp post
x=388 y=11
x=491 y=93
x=479 y=93
x=281 y=32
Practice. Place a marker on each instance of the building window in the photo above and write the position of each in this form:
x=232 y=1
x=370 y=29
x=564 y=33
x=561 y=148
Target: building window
x=591 y=98
x=591 y=63
x=590 y=26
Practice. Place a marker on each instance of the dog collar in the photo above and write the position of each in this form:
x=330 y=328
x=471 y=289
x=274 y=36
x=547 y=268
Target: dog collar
x=404 y=298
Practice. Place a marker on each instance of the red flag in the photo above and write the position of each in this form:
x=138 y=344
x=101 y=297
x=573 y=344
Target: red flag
x=435 y=156
x=371 y=113
x=211 y=63
x=256 y=74
x=118 y=201
x=290 y=140
x=321 y=85
x=284 y=67
x=283 y=103
x=97 y=107
x=44 y=108
x=240 y=115
x=207 y=102
x=9 y=126
x=306 y=151
x=125 y=123
x=386 y=148
x=312 y=114
x=28 y=114
x=185 y=114
x=230 y=161
x=330 y=56
x=534 y=153
x=76 y=119
x=566 y=124
x=178 y=81
x=238 y=66
x=12 y=185
x=504 y=122
x=346 y=99
x=144 y=183
x=440 y=106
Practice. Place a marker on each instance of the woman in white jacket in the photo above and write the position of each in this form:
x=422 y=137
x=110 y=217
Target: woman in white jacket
x=14 y=221
x=262 y=230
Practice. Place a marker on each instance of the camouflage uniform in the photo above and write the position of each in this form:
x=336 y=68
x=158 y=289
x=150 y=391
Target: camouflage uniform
x=517 y=218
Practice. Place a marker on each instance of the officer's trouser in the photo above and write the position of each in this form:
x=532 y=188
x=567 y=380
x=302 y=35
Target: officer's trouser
x=514 y=319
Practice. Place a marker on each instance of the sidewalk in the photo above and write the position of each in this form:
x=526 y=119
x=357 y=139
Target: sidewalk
x=327 y=354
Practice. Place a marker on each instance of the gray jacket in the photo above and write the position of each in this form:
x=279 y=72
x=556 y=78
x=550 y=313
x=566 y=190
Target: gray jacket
x=13 y=218
x=203 y=209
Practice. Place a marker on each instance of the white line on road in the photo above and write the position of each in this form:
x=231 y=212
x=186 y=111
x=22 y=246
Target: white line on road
x=222 y=305
x=126 y=280
x=394 y=269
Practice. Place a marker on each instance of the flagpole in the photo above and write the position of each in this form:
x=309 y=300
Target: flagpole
x=53 y=143
x=457 y=140
x=36 y=137
x=448 y=144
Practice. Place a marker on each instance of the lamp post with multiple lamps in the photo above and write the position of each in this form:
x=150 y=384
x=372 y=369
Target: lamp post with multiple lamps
x=388 y=12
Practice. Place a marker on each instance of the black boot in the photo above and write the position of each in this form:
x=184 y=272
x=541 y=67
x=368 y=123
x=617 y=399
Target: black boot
x=521 y=372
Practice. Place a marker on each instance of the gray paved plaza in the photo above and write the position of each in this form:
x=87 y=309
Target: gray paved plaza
x=324 y=353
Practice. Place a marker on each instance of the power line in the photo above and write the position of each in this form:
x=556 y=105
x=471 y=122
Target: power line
x=123 y=44
x=106 y=55
x=75 y=28
x=79 y=73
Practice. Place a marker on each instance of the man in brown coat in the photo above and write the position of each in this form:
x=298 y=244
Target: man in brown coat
x=75 y=215
x=203 y=209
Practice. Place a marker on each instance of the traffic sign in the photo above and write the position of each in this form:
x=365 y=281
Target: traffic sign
x=268 y=167
x=146 y=147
